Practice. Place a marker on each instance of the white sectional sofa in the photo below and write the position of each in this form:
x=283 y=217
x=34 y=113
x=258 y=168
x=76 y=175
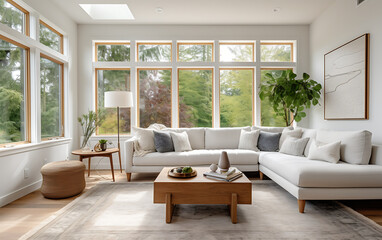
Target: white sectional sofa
x=304 y=178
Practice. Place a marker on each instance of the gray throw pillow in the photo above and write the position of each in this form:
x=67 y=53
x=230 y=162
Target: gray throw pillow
x=268 y=141
x=163 y=142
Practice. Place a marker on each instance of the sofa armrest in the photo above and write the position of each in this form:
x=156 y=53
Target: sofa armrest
x=128 y=153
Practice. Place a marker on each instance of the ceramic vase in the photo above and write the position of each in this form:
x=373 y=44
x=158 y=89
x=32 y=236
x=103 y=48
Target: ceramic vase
x=224 y=162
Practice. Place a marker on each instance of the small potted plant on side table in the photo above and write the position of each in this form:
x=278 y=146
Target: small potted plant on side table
x=103 y=144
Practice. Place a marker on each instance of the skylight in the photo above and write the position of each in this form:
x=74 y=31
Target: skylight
x=108 y=11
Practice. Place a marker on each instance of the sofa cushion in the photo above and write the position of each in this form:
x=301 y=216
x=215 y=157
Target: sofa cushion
x=268 y=141
x=145 y=138
x=329 y=152
x=296 y=133
x=271 y=129
x=163 y=142
x=196 y=157
x=308 y=133
x=294 y=146
x=248 y=140
x=303 y=172
x=223 y=138
x=355 y=145
x=195 y=135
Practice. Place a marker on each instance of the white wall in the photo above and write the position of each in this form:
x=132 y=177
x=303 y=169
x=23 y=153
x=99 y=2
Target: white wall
x=31 y=157
x=340 y=23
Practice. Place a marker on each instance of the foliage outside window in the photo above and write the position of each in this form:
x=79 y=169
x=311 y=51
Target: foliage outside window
x=14 y=16
x=112 y=80
x=154 y=52
x=13 y=93
x=51 y=98
x=276 y=52
x=112 y=52
x=237 y=52
x=50 y=37
x=154 y=97
x=195 y=52
x=268 y=115
x=195 y=97
x=236 y=99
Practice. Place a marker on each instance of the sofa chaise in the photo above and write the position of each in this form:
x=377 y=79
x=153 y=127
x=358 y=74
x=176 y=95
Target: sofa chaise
x=358 y=175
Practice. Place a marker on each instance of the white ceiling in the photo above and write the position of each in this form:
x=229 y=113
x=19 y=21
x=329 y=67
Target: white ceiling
x=221 y=12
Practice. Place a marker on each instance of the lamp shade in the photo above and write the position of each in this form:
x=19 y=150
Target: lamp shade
x=118 y=99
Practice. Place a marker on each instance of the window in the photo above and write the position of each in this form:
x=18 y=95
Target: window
x=112 y=52
x=154 y=96
x=14 y=16
x=112 y=80
x=52 y=96
x=154 y=52
x=276 y=52
x=14 y=92
x=51 y=37
x=195 y=97
x=236 y=97
x=195 y=52
x=237 y=52
x=268 y=117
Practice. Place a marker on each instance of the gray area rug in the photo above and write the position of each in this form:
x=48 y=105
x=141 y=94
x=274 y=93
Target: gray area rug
x=126 y=211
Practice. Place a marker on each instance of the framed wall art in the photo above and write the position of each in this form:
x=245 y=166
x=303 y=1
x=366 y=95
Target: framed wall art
x=346 y=81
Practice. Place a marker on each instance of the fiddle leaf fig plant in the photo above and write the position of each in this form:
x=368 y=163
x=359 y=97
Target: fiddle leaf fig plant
x=290 y=97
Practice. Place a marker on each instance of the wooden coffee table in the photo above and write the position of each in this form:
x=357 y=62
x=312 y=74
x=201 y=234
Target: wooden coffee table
x=201 y=190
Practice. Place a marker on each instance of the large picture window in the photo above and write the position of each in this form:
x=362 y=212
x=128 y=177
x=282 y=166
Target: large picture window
x=268 y=116
x=112 y=52
x=14 y=92
x=277 y=52
x=154 y=52
x=236 y=97
x=237 y=52
x=52 y=96
x=154 y=96
x=51 y=37
x=112 y=80
x=195 y=97
x=14 y=16
x=195 y=52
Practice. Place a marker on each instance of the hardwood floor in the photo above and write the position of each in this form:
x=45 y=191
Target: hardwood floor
x=22 y=215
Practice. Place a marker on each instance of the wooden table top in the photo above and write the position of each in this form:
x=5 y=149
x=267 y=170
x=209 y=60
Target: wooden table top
x=94 y=153
x=199 y=178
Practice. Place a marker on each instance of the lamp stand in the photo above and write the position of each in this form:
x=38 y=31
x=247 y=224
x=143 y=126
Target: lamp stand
x=119 y=146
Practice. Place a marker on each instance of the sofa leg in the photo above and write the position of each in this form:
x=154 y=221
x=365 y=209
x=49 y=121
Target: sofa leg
x=128 y=175
x=301 y=205
x=261 y=175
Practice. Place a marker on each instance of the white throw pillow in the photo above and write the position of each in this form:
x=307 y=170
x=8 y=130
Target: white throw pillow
x=329 y=152
x=308 y=133
x=248 y=140
x=181 y=141
x=145 y=138
x=294 y=146
x=289 y=133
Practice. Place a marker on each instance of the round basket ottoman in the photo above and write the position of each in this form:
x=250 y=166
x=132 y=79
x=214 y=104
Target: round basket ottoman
x=63 y=179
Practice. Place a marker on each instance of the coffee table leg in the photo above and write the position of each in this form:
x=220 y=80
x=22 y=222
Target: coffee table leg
x=111 y=165
x=234 y=208
x=169 y=208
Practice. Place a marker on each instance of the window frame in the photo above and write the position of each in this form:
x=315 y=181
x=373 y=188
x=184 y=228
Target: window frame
x=138 y=89
x=96 y=44
x=253 y=89
x=96 y=98
x=26 y=19
x=178 y=43
x=62 y=98
x=213 y=90
x=27 y=90
x=239 y=43
x=153 y=43
x=280 y=43
x=57 y=32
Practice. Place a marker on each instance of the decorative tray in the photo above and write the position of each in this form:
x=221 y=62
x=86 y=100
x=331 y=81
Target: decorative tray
x=172 y=173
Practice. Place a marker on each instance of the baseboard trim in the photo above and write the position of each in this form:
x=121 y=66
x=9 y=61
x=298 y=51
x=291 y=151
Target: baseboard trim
x=4 y=200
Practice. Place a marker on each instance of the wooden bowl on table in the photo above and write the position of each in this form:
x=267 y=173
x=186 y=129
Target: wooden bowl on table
x=172 y=173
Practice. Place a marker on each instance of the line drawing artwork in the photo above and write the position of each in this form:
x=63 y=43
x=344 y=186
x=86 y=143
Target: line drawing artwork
x=345 y=80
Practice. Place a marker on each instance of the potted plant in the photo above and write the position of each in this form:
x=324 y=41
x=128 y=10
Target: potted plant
x=89 y=123
x=290 y=97
x=103 y=144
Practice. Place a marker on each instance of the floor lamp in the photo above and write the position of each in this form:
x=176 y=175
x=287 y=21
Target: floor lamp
x=118 y=99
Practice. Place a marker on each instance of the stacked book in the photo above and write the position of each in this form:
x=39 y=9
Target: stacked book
x=228 y=176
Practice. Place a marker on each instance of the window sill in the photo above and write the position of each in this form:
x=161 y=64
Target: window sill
x=32 y=146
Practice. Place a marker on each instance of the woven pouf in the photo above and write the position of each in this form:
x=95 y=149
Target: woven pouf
x=63 y=179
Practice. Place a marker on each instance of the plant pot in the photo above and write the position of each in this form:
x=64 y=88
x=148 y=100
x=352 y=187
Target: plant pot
x=103 y=146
